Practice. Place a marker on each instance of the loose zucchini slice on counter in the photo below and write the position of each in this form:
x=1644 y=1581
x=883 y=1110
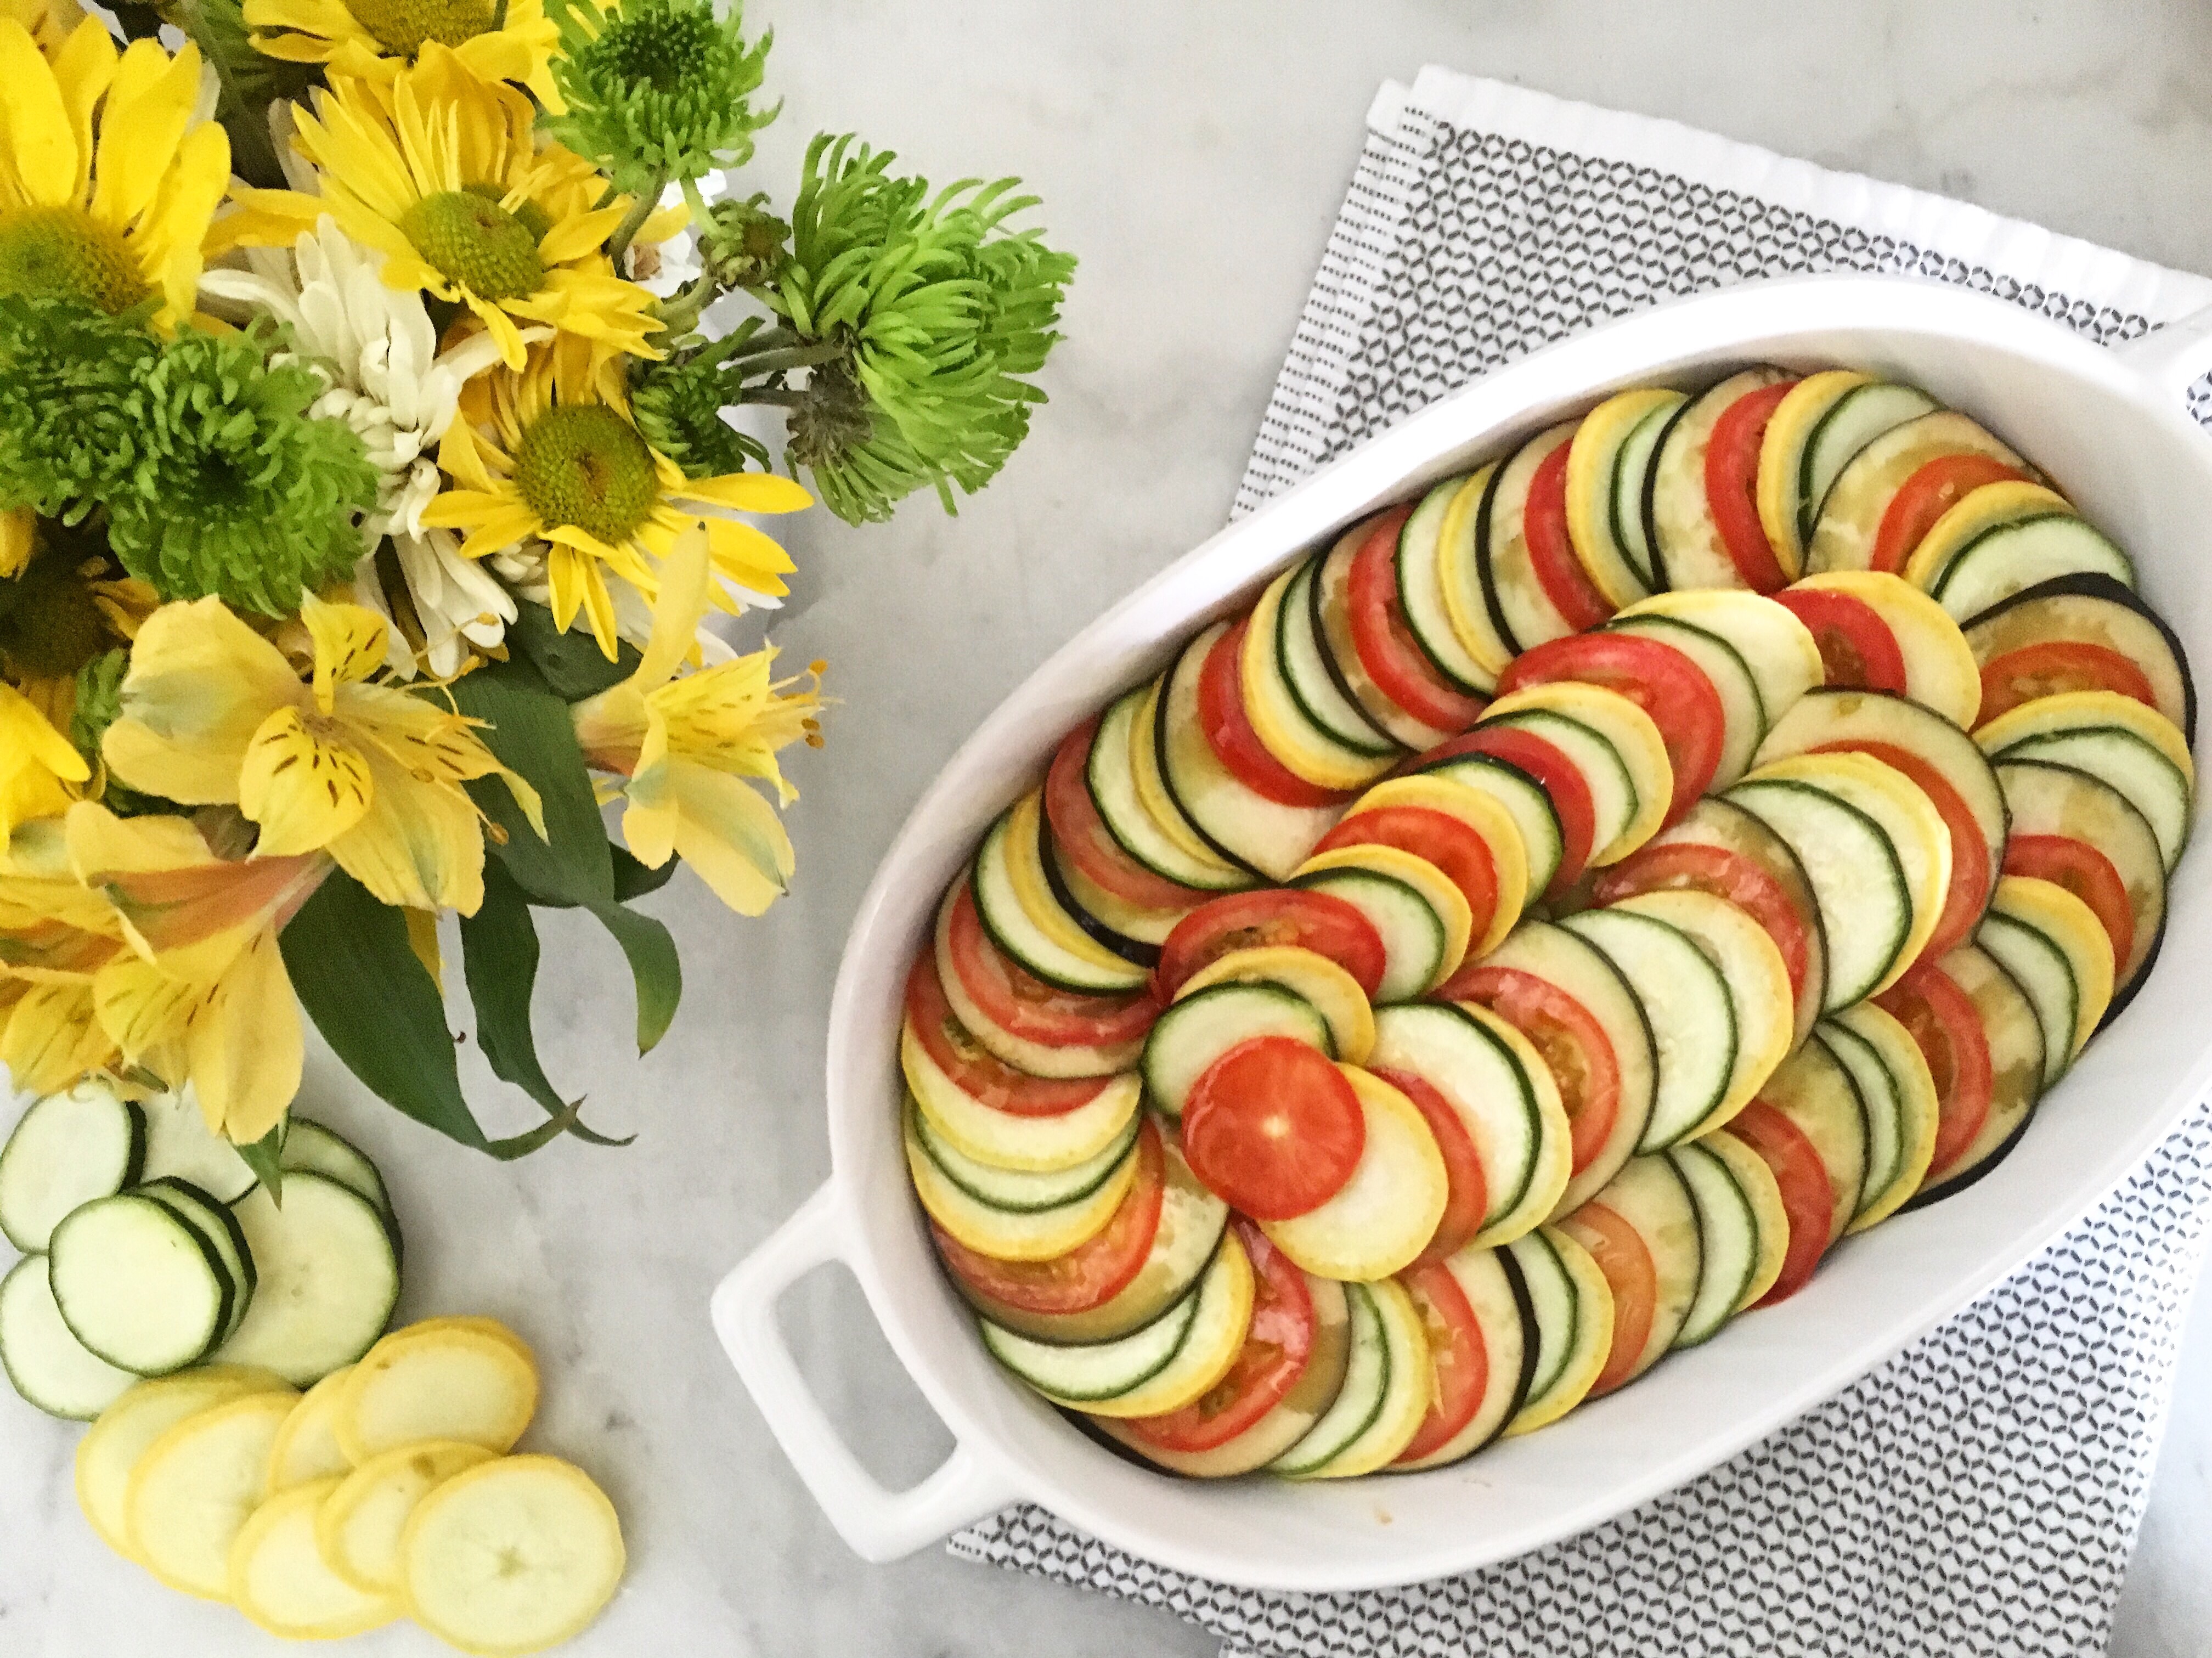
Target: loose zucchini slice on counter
x=44 y=1361
x=66 y=1149
x=140 y=1285
x=328 y=1262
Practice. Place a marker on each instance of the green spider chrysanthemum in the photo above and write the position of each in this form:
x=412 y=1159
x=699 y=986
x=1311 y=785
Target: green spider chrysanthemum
x=677 y=406
x=228 y=487
x=658 y=90
x=213 y=476
x=942 y=309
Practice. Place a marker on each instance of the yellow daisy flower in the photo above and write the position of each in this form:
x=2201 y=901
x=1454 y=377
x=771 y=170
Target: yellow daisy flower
x=550 y=455
x=439 y=170
x=108 y=175
x=375 y=39
x=683 y=743
x=212 y=713
x=70 y=602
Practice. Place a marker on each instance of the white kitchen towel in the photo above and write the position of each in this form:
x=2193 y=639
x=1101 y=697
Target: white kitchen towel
x=1980 y=1492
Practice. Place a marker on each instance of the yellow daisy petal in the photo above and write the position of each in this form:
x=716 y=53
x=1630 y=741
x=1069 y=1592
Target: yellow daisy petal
x=85 y=67
x=747 y=492
x=304 y=792
x=18 y=540
x=748 y=557
x=139 y=135
x=41 y=148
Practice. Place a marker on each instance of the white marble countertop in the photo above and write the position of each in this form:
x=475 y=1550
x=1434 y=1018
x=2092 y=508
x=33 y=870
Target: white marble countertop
x=1194 y=157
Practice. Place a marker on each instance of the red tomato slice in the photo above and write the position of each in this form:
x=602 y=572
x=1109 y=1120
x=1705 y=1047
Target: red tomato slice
x=1552 y=551
x=1459 y=1359
x=2056 y=665
x=974 y=1069
x=1807 y=1196
x=1947 y=1027
x=1556 y=774
x=1568 y=1035
x=1317 y=921
x=1625 y=1259
x=1972 y=880
x=1725 y=874
x=1272 y=1128
x=1278 y=1345
x=1925 y=496
x=1732 y=485
x=1656 y=676
x=1387 y=650
x=1083 y=839
x=2084 y=872
x=1023 y=1005
x=1229 y=731
x=1456 y=848
x=1469 y=1199
x=1858 y=652
x=1088 y=1276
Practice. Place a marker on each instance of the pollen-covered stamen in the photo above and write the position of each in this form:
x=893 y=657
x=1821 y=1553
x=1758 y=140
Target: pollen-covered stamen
x=65 y=251
x=403 y=27
x=588 y=466
x=476 y=244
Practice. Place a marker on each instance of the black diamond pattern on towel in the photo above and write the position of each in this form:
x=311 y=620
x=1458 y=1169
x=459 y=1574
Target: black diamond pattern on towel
x=1979 y=1493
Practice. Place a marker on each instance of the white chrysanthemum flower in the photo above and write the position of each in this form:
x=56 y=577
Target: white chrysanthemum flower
x=377 y=351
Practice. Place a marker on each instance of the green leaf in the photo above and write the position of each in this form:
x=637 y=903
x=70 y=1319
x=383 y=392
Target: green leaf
x=634 y=879
x=376 y=1005
x=531 y=732
x=498 y=959
x=248 y=83
x=264 y=1157
x=571 y=662
x=653 y=968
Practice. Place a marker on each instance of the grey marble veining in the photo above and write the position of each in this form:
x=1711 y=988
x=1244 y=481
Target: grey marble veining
x=1194 y=156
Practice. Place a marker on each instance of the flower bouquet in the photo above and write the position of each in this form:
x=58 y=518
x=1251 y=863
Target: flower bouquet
x=367 y=482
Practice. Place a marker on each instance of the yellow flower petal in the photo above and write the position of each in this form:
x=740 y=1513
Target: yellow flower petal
x=54 y=1038
x=421 y=849
x=140 y=1007
x=585 y=233
x=748 y=557
x=139 y=132
x=199 y=684
x=422 y=939
x=85 y=66
x=304 y=791
x=679 y=610
x=722 y=828
x=18 y=539
x=245 y=1047
x=747 y=492
x=42 y=145
x=349 y=644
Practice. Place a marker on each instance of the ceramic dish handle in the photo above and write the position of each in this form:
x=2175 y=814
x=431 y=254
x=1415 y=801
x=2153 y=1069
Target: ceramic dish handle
x=878 y=1524
x=2176 y=355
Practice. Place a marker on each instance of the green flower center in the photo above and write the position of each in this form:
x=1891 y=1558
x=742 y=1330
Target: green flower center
x=401 y=27
x=65 y=251
x=659 y=46
x=476 y=244
x=588 y=466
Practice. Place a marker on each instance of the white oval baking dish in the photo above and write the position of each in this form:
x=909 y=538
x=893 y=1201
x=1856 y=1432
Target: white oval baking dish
x=2110 y=426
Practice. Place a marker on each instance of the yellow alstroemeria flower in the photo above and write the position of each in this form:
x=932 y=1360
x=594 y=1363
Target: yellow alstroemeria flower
x=683 y=743
x=375 y=39
x=109 y=174
x=201 y=995
x=54 y=937
x=40 y=768
x=551 y=455
x=440 y=171
x=212 y=713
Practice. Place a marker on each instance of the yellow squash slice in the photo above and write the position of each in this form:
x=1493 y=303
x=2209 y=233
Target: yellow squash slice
x=441 y=1382
x=279 y=1579
x=106 y=1454
x=1335 y=994
x=361 y=1522
x=1385 y=1214
x=306 y=1449
x=511 y=1556
x=194 y=1487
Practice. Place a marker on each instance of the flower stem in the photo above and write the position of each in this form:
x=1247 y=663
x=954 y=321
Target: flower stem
x=796 y=357
x=776 y=396
x=641 y=208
